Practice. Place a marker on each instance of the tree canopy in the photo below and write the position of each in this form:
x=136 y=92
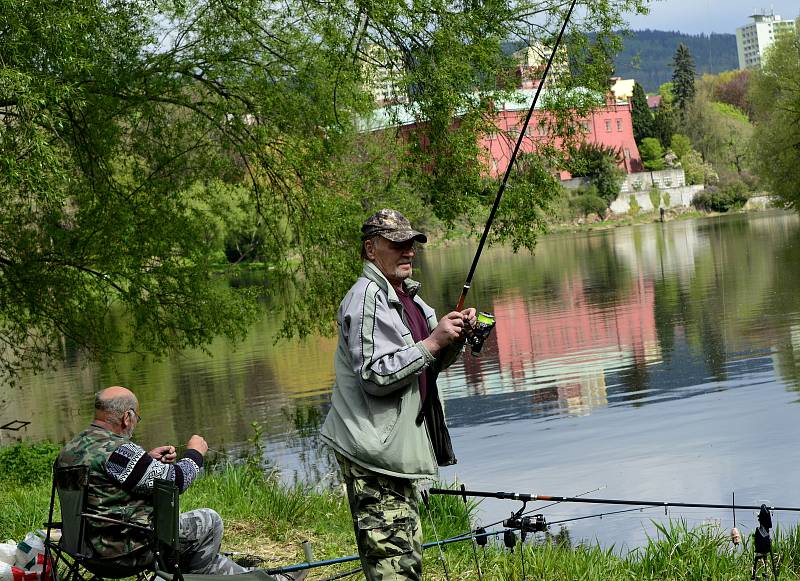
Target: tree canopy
x=141 y=140
x=775 y=98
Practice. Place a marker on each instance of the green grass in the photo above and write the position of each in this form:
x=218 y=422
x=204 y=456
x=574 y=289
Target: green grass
x=268 y=518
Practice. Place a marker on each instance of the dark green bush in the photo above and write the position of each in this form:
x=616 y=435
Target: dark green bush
x=28 y=463
x=723 y=198
x=588 y=202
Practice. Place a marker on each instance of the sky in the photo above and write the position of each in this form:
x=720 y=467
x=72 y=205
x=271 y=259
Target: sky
x=706 y=16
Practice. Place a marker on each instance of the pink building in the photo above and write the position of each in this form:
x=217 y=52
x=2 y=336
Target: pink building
x=610 y=126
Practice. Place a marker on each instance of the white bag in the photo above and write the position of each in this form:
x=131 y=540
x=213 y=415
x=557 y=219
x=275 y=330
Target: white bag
x=6 y=572
x=8 y=552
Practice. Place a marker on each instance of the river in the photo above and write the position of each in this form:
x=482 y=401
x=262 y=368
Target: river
x=655 y=362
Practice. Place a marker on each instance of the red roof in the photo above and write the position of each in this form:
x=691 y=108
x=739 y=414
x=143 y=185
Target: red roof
x=654 y=101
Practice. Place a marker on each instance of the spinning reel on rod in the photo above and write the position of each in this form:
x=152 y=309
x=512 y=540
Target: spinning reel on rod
x=535 y=523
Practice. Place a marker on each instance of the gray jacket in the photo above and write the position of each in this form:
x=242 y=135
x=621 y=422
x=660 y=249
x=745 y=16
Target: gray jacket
x=376 y=397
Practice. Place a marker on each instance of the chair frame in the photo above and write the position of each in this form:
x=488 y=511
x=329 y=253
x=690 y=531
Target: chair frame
x=72 y=551
x=164 y=539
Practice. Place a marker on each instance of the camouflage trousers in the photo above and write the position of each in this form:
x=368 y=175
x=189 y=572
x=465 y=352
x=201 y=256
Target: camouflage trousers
x=199 y=541
x=386 y=522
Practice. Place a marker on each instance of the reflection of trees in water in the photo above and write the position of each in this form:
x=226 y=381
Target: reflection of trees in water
x=785 y=300
x=666 y=292
x=635 y=377
x=608 y=279
x=562 y=538
x=317 y=461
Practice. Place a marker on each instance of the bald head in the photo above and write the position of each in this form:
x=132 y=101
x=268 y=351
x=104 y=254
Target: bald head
x=111 y=404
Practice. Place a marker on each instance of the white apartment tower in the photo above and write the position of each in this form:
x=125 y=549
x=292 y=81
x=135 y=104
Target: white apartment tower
x=754 y=38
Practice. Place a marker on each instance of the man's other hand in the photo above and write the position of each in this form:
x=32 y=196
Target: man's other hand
x=470 y=320
x=198 y=443
x=449 y=329
x=164 y=454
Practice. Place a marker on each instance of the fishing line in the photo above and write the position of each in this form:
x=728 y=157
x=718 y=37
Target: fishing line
x=474 y=550
x=426 y=500
x=520 y=137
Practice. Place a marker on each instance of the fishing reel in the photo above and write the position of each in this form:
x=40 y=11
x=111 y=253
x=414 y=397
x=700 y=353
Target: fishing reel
x=762 y=539
x=524 y=524
x=480 y=332
x=763 y=555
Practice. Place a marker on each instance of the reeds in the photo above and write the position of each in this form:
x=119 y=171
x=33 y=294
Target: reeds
x=267 y=517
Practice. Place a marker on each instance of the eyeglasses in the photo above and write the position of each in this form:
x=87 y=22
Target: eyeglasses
x=138 y=417
x=404 y=246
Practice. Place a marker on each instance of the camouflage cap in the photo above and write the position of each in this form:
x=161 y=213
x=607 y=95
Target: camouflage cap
x=391 y=225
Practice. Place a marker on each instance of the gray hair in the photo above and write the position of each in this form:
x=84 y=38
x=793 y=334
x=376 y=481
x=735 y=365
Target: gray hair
x=114 y=407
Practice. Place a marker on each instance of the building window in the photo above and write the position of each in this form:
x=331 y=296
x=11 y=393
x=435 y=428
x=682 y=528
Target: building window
x=627 y=153
x=542 y=129
x=608 y=125
x=619 y=124
x=585 y=127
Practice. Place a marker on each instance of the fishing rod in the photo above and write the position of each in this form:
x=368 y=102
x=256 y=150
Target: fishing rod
x=350 y=558
x=570 y=499
x=480 y=536
x=520 y=137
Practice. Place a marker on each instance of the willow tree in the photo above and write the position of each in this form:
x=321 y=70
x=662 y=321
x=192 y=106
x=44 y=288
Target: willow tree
x=775 y=97
x=131 y=131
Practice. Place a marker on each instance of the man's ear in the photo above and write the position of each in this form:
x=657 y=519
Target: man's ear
x=369 y=248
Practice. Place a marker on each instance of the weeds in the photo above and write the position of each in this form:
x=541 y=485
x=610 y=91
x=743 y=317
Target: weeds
x=266 y=517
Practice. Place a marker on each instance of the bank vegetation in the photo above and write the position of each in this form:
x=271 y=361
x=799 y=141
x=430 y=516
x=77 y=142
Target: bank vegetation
x=265 y=517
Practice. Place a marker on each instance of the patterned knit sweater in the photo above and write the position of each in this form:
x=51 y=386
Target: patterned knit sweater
x=121 y=476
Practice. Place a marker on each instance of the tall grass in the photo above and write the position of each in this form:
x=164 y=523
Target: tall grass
x=267 y=517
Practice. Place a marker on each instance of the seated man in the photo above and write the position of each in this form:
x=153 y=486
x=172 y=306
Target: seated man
x=121 y=476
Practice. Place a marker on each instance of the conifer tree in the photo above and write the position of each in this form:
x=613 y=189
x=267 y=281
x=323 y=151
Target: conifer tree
x=683 y=78
x=640 y=114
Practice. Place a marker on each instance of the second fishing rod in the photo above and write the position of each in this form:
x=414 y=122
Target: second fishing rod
x=522 y=497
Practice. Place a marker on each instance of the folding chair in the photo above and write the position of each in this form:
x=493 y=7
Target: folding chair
x=71 y=557
x=166 y=513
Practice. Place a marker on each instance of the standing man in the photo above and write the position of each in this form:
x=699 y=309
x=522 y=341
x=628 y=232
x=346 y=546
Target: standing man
x=386 y=421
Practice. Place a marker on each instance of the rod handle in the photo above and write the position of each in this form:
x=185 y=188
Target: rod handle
x=462 y=298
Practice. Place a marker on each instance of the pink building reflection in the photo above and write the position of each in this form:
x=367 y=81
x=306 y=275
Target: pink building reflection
x=563 y=349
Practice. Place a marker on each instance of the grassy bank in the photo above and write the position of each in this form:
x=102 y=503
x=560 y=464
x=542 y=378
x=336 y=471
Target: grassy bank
x=267 y=518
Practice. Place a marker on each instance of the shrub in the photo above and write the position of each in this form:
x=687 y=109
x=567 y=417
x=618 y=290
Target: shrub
x=652 y=154
x=599 y=164
x=655 y=197
x=697 y=171
x=28 y=463
x=589 y=203
x=665 y=198
x=721 y=199
x=635 y=208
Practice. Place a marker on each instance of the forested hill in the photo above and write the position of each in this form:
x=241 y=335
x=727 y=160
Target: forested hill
x=647 y=55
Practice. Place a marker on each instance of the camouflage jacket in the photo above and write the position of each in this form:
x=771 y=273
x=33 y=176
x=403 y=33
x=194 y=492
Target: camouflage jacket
x=121 y=476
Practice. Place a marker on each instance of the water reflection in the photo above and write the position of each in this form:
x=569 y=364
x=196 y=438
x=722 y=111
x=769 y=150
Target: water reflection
x=633 y=316
x=600 y=336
